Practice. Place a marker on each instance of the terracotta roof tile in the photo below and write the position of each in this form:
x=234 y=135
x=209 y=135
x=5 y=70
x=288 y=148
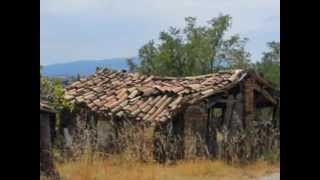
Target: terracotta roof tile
x=144 y=97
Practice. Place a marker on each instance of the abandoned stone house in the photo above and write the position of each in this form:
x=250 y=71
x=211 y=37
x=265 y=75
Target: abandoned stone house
x=47 y=124
x=214 y=115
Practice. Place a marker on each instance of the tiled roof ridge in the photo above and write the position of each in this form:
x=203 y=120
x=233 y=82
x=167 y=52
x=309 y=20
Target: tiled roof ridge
x=169 y=77
x=196 y=76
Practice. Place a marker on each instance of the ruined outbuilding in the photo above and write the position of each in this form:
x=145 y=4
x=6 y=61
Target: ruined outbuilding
x=213 y=115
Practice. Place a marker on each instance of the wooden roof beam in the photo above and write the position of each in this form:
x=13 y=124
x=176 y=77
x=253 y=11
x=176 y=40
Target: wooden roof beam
x=265 y=94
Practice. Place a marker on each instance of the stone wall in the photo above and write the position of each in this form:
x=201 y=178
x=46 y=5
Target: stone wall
x=46 y=158
x=193 y=133
x=195 y=130
x=148 y=143
x=106 y=135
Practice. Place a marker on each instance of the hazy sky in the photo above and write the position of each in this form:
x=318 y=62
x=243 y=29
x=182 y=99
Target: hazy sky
x=99 y=29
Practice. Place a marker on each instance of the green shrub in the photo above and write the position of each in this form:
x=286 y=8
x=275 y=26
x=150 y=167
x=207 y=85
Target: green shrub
x=271 y=156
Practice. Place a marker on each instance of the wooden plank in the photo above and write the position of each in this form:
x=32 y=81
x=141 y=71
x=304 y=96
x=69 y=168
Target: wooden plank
x=249 y=102
x=227 y=101
x=265 y=94
x=228 y=112
x=262 y=80
x=237 y=116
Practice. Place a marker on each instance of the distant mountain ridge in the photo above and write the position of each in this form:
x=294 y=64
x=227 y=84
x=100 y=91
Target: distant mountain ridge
x=85 y=67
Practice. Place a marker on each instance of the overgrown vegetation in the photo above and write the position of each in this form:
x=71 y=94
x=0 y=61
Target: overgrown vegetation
x=271 y=156
x=83 y=160
x=52 y=91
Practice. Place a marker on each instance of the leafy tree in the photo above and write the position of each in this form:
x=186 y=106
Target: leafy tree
x=97 y=69
x=232 y=54
x=270 y=63
x=52 y=90
x=194 y=50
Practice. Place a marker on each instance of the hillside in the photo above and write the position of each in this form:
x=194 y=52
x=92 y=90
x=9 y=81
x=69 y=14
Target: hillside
x=84 y=67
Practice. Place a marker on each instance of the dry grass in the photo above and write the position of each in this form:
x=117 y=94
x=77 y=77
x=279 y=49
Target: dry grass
x=116 y=168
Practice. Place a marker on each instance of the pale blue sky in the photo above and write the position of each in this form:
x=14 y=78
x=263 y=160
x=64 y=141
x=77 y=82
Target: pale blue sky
x=100 y=29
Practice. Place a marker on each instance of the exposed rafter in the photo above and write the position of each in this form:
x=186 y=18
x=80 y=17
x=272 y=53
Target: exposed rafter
x=265 y=94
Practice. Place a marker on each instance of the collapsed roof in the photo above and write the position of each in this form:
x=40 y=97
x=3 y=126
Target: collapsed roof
x=148 y=98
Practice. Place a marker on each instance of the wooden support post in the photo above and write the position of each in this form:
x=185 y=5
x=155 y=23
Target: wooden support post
x=249 y=102
x=237 y=114
x=265 y=93
x=275 y=113
x=210 y=132
x=228 y=111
